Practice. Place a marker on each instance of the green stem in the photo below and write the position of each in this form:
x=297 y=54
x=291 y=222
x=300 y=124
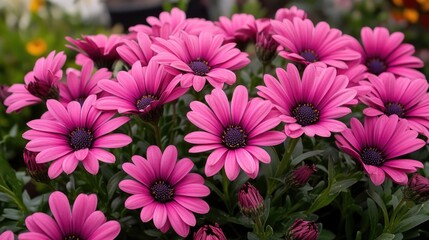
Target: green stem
x=225 y=187
x=157 y=133
x=285 y=162
x=259 y=228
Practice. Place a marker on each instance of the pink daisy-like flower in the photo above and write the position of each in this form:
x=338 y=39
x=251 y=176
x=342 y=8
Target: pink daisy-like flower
x=201 y=58
x=172 y=24
x=290 y=13
x=357 y=75
x=305 y=43
x=406 y=98
x=241 y=28
x=99 y=48
x=40 y=84
x=235 y=131
x=142 y=91
x=81 y=84
x=378 y=146
x=165 y=190
x=75 y=133
x=7 y=235
x=384 y=52
x=132 y=51
x=310 y=106
x=80 y=222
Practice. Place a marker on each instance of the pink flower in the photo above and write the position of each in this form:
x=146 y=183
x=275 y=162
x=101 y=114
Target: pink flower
x=172 y=24
x=384 y=52
x=165 y=190
x=241 y=28
x=305 y=43
x=75 y=133
x=235 y=131
x=37 y=171
x=290 y=14
x=310 y=106
x=210 y=232
x=81 y=84
x=357 y=75
x=7 y=235
x=201 y=58
x=132 y=51
x=142 y=91
x=80 y=222
x=406 y=98
x=40 y=84
x=378 y=146
x=99 y=48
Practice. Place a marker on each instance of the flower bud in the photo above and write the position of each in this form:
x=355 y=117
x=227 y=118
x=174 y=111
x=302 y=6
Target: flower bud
x=3 y=92
x=300 y=176
x=265 y=46
x=209 y=232
x=302 y=230
x=43 y=90
x=250 y=201
x=38 y=171
x=417 y=189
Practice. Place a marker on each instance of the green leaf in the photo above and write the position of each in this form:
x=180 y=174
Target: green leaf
x=306 y=155
x=252 y=236
x=373 y=217
x=342 y=185
x=113 y=182
x=411 y=222
x=386 y=236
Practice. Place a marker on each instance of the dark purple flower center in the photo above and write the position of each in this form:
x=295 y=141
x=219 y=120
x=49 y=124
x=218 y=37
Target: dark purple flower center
x=80 y=138
x=145 y=101
x=200 y=67
x=372 y=156
x=376 y=66
x=72 y=237
x=162 y=191
x=395 y=108
x=309 y=56
x=234 y=137
x=305 y=114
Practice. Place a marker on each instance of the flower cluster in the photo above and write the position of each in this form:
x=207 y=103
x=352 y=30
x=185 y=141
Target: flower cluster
x=172 y=92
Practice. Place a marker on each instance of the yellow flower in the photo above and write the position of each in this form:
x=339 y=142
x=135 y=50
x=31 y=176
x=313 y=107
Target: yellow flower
x=35 y=5
x=398 y=2
x=411 y=15
x=36 y=47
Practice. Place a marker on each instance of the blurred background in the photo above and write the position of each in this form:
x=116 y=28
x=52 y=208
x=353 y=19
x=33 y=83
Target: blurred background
x=30 y=29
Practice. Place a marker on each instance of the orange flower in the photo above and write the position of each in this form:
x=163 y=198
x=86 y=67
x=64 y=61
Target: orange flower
x=36 y=47
x=35 y=5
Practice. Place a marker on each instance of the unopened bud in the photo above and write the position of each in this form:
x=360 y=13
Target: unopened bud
x=302 y=230
x=209 y=232
x=300 y=176
x=43 y=90
x=417 y=189
x=265 y=47
x=38 y=171
x=250 y=201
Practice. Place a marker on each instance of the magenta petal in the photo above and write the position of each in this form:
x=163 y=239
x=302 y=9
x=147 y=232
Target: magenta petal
x=92 y=223
x=103 y=155
x=179 y=226
x=397 y=176
x=182 y=168
x=132 y=187
x=81 y=154
x=108 y=231
x=160 y=215
x=114 y=140
x=245 y=161
x=259 y=153
x=193 y=204
x=83 y=206
x=30 y=236
x=42 y=223
x=60 y=207
x=138 y=201
x=147 y=212
x=376 y=174
x=91 y=164
x=184 y=214
x=192 y=190
x=52 y=153
x=70 y=163
x=168 y=161
x=232 y=169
